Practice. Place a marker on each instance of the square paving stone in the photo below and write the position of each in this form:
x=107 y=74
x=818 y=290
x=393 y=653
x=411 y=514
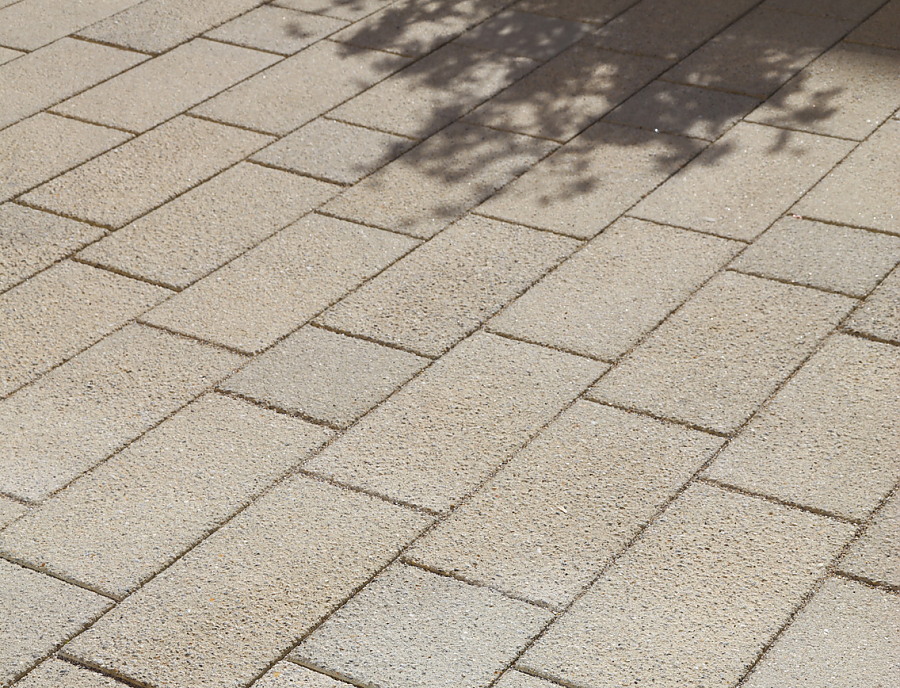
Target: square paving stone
x=596 y=11
x=276 y=29
x=856 y=10
x=55 y=673
x=10 y=510
x=525 y=35
x=290 y=675
x=413 y=629
x=876 y=555
x=342 y=9
x=881 y=28
x=879 y=315
x=30 y=24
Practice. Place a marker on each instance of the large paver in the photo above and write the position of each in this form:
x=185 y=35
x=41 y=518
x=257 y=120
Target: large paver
x=879 y=315
x=696 y=599
x=596 y=11
x=30 y=24
x=881 y=28
x=621 y=285
x=341 y=9
x=441 y=435
x=411 y=628
x=876 y=555
x=444 y=290
x=276 y=29
x=115 y=527
x=571 y=500
x=526 y=35
x=55 y=673
x=78 y=414
x=10 y=510
x=290 y=675
x=724 y=352
x=240 y=600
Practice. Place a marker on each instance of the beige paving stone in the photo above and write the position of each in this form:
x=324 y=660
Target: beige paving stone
x=841 y=9
x=696 y=599
x=275 y=288
x=189 y=237
x=325 y=376
x=350 y=10
x=37 y=614
x=10 y=510
x=164 y=86
x=562 y=508
x=879 y=315
x=848 y=636
x=125 y=183
x=724 y=352
x=745 y=181
x=410 y=628
x=55 y=673
x=116 y=526
x=290 y=675
x=590 y=181
x=881 y=28
x=300 y=88
x=596 y=11
x=525 y=35
x=277 y=29
x=81 y=412
x=443 y=291
x=516 y=679
x=241 y=599
x=438 y=181
x=440 y=436
x=825 y=440
x=876 y=555
x=6 y=54
x=31 y=24
x=60 y=312
x=602 y=300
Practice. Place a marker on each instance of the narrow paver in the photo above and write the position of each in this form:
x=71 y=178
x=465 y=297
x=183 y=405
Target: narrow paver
x=31 y=24
x=879 y=315
x=289 y=675
x=10 y=510
x=55 y=673
x=876 y=555
x=880 y=28
x=526 y=35
x=276 y=29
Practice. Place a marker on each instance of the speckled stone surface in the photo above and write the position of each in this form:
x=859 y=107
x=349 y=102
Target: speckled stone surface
x=276 y=29
x=876 y=555
x=879 y=315
x=55 y=673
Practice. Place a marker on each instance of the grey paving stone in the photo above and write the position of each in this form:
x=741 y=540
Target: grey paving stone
x=350 y=10
x=444 y=290
x=590 y=181
x=879 y=315
x=439 y=180
x=856 y=10
x=277 y=29
x=116 y=526
x=290 y=675
x=241 y=599
x=516 y=679
x=30 y=24
x=724 y=352
x=876 y=555
x=440 y=436
x=6 y=54
x=602 y=300
x=554 y=516
x=276 y=287
x=525 y=35
x=742 y=183
x=125 y=183
x=81 y=412
x=189 y=237
x=10 y=510
x=880 y=29
x=695 y=599
x=596 y=11
x=410 y=628
x=55 y=673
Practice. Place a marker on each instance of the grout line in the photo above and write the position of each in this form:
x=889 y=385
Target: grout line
x=792 y=283
x=57 y=575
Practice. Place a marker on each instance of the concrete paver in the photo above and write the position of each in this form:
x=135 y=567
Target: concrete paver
x=525 y=35
x=517 y=679
x=879 y=315
x=31 y=24
x=880 y=29
x=876 y=555
x=6 y=54
x=10 y=510
x=278 y=30
x=55 y=673
x=290 y=675
x=856 y=10
x=596 y=11
x=341 y=9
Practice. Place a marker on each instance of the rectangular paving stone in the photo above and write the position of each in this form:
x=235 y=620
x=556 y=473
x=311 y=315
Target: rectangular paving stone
x=743 y=182
x=602 y=300
x=276 y=29
x=596 y=11
x=444 y=290
x=590 y=181
x=441 y=435
x=10 y=510
x=289 y=675
x=189 y=237
x=116 y=526
x=30 y=24
x=164 y=86
x=876 y=555
x=54 y=673
x=879 y=315
x=123 y=184
x=78 y=414
x=697 y=598
x=525 y=35
x=413 y=629
x=724 y=352
x=241 y=599
x=856 y=10
x=554 y=516
x=342 y=9
x=275 y=288
x=881 y=28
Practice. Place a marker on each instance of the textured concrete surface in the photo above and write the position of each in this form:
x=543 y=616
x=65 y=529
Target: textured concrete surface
x=879 y=315
x=876 y=555
x=10 y=510
x=277 y=30
x=55 y=673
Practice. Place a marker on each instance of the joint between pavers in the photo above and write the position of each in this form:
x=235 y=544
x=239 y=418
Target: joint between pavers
x=193 y=338
x=524 y=340
x=868 y=582
x=277 y=409
x=305 y=175
x=58 y=576
x=791 y=283
x=103 y=671
x=77 y=258
x=76 y=118
x=84 y=39
x=206 y=118
x=849 y=330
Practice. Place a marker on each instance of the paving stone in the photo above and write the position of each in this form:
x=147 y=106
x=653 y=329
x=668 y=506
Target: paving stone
x=603 y=299
x=116 y=526
x=60 y=312
x=554 y=516
x=409 y=628
x=444 y=290
x=590 y=181
x=277 y=29
x=876 y=555
x=848 y=636
x=189 y=237
x=237 y=602
x=696 y=598
x=31 y=24
x=9 y=511
x=745 y=181
x=844 y=259
x=78 y=414
x=525 y=35
x=879 y=315
x=290 y=675
x=125 y=183
x=724 y=352
x=300 y=88
x=6 y=55
x=275 y=288
x=162 y=87
x=55 y=673
x=596 y=11
x=439 y=180
x=841 y=9
x=37 y=614
x=881 y=28
x=516 y=679
x=342 y=9
x=441 y=435
x=325 y=376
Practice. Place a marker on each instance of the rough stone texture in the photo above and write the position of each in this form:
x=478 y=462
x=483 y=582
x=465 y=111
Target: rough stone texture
x=350 y=11
x=525 y=35
x=9 y=511
x=724 y=352
x=696 y=598
x=444 y=290
x=276 y=29
x=596 y=11
x=247 y=594
x=55 y=673
x=876 y=555
x=571 y=500
x=841 y=9
x=414 y=629
x=290 y=675
x=30 y=24
x=516 y=679
x=6 y=54
x=879 y=315
x=441 y=435
x=275 y=288
x=621 y=285
x=881 y=28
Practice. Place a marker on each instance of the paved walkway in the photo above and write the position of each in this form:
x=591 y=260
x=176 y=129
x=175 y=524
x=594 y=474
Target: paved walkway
x=450 y=344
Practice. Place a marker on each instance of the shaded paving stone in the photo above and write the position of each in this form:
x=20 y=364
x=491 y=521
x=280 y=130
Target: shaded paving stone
x=876 y=555
x=55 y=673
x=881 y=28
x=31 y=24
x=596 y=11
x=350 y=11
x=525 y=35
x=840 y=9
x=879 y=315
x=276 y=30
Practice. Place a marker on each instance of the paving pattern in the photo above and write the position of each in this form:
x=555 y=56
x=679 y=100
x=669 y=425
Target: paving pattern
x=449 y=343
